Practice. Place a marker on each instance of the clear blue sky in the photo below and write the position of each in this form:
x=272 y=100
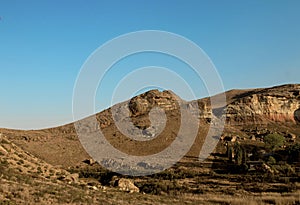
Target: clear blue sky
x=43 y=45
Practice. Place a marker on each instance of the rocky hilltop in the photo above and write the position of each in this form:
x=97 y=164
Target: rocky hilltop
x=277 y=104
x=143 y=103
x=50 y=166
x=257 y=106
x=275 y=108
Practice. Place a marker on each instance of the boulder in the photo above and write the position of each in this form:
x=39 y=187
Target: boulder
x=229 y=138
x=72 y=178
x=89 y=161
x=291 y=136
x=267 y=168
x=127 y=185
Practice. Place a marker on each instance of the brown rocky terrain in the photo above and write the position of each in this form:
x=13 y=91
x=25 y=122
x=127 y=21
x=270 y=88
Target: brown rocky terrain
x=34 y=162
x=277 y=104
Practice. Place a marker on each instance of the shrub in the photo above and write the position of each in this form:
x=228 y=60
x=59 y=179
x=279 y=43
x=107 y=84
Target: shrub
x=274 y=141
x=158 y=187
x=285 y=169
x=271 y=160
x=240 y=157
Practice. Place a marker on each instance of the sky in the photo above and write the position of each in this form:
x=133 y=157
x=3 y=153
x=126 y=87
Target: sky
x=44 y=44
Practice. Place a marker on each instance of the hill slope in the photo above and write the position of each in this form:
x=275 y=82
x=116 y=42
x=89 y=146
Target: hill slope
x=273 y=108
x=49 y=165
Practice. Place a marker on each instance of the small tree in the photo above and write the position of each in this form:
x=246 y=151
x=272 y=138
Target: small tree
x=238 y=154
x=229 y=153
x=274 y=141
x=240 y=157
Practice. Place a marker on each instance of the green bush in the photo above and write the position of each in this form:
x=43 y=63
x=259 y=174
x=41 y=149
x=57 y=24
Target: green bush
x=284 y=169
x=271 y=160
x=274 y=141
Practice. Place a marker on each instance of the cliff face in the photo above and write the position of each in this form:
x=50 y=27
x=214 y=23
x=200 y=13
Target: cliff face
x=257 y=106
x=138 y=106
x=278 y=104
x=143 y=103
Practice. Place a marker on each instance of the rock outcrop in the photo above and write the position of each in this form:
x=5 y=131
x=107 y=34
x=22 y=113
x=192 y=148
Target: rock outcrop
x=278 y=104
x=139 y=105
x=143 y=103
x=257 y=106
x=127 y=185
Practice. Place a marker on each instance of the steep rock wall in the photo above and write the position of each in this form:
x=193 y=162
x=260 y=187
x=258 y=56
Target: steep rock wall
x=275 y=104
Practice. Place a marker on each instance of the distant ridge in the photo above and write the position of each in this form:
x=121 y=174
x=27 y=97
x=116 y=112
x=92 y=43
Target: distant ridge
x=276 y=108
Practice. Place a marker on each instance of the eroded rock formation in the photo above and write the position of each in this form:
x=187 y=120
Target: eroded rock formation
x=143 y=103
x=257 y=106
x=279 y=104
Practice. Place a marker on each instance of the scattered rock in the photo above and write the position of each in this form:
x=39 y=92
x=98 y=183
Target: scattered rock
x=229 y=138
x=127 y=185
x=3 y=151
x=72 y=178
x=291 y=136
x=89 y=161
x=114 y=181
x=267 y=168
x=148 y=133
x=26 y=138
x=93 y=188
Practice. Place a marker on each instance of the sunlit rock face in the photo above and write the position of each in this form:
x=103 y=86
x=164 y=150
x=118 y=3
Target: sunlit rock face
x=279 y=104
x=143 y=103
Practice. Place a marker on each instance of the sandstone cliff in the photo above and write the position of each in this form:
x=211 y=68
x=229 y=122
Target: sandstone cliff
x=277 y=104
